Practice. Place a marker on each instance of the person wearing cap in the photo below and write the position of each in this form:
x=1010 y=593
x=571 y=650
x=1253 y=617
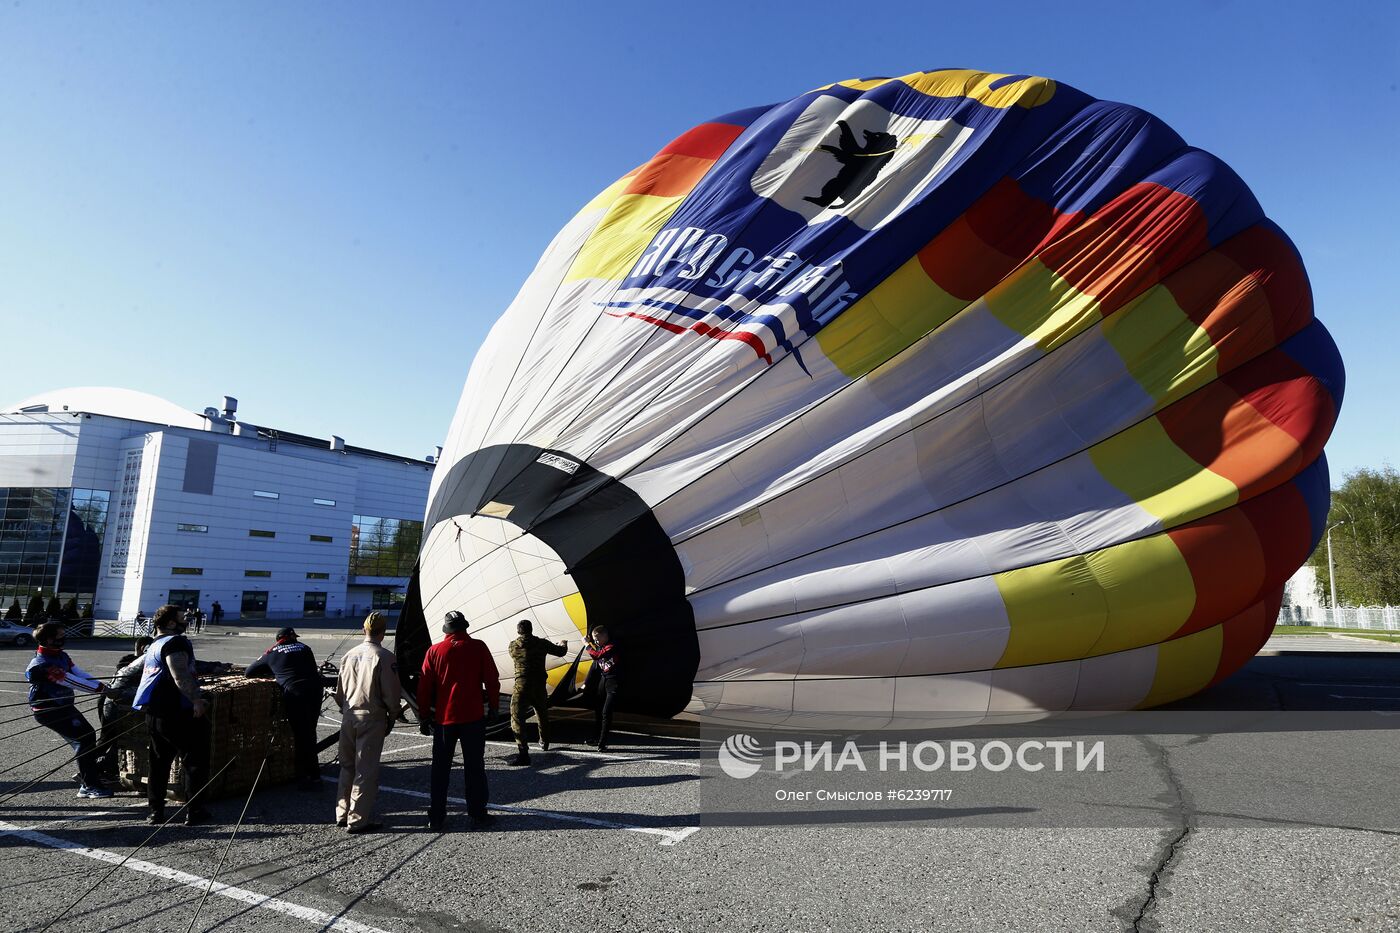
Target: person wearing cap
x=369 y=695
x=458 y=673
x=294 y=667
x=528 y=654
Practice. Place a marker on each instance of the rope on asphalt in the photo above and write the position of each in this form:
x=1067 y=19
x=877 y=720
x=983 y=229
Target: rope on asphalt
x=14 y=735
x=72 y=758
x=253 y=790
x=193 y=797
x=87 y=696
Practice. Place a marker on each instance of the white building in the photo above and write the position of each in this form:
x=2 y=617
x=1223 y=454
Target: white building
x=127 y=501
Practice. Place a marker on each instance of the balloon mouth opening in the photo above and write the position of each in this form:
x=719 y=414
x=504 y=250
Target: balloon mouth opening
x=626 y=571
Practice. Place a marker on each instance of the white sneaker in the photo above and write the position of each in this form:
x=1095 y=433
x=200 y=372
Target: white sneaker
x=96 y=793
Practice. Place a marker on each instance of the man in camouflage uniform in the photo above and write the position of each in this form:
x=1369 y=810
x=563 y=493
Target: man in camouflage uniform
x=528 y=653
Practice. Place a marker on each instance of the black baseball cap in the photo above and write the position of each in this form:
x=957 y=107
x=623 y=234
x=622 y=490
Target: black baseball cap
x=285 y=633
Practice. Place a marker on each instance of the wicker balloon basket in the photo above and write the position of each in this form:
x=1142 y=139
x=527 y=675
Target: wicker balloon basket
x=246 y=724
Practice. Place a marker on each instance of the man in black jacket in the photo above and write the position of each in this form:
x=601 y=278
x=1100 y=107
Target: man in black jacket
x=294 y=667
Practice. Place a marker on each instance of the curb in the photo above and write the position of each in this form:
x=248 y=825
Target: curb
x=1361 y=639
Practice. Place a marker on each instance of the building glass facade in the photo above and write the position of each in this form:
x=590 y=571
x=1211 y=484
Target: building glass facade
x=384 y=547
x=51 y=542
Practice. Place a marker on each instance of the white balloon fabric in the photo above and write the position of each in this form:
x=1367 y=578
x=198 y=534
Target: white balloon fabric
x=959 y=393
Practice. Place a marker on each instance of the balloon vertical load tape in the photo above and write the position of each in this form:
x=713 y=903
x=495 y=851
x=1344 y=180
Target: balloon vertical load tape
x=246 y=721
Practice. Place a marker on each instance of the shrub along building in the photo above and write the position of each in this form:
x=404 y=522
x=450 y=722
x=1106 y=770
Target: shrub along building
x=122 y=501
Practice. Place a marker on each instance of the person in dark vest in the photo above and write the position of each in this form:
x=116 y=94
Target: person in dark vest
x=53 y=678
x=216 y=613
x=458 y=674
x=603 y=652
x=528 y=654
x=294 y=666
x=175 y=715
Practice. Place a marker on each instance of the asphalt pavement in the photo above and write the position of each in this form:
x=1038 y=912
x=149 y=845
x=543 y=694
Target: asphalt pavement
x=618 y=842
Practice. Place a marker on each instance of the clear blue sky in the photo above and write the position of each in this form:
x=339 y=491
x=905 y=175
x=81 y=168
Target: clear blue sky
x=321 y=208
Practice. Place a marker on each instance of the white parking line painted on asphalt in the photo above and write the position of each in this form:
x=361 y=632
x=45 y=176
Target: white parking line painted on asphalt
x=680 y=834
x=669 y=837
x=1363 y=696
x=407 y=748
x=72 y=819
x=608 y=756
x=242 y=895
x=577 y=753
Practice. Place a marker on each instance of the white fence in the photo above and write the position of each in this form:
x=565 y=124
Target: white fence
x=1381 y=618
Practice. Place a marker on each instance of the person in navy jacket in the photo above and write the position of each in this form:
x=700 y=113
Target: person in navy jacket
x=53 y=679
x=294 y=667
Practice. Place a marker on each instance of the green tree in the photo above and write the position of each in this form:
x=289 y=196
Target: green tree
x=35 y=613
x=1365 y=521
x=70 y=609
x=87 y=610
x=14 y=613
x=55 y=610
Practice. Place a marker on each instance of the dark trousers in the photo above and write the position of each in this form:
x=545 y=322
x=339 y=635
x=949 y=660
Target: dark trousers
x=302 y=713
x=116 y=718
x=607 y=699
x=176 y=735
x=69 y=723
x=472 y=735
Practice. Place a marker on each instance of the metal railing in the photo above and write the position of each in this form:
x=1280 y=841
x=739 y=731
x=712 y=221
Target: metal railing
x=1379 y=618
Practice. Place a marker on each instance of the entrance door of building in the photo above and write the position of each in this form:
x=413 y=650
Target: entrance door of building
x=254 y=604
x=313 y=605
x=185 y=599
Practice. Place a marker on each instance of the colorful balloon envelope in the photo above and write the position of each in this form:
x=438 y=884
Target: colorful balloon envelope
x=959 y=392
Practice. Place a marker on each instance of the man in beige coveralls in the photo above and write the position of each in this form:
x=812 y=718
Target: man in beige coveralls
x=369 y=696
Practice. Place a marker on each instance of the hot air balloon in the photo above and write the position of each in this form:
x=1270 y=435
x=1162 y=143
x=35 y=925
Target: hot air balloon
x=956 y=391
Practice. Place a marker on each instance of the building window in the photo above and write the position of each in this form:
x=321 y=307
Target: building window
x=187 y=571
x=263 y=494
x=260 y=533
x=313 y=604
x=313 y=575
x=34 y=553
x=385 y=598
x=328 y=502
x=384 y=547
x=82 y=550
x=185 y=599
x=126 y=512
x=254 y=604
x=257 y=573
x=202 y=529
x=325 y=539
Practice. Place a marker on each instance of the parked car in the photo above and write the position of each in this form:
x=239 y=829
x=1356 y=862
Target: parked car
x=17 y=635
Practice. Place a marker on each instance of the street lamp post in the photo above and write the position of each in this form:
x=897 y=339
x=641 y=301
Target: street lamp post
x=1332 y=571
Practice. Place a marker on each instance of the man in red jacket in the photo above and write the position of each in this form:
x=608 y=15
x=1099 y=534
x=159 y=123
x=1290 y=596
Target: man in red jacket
x=458 y=674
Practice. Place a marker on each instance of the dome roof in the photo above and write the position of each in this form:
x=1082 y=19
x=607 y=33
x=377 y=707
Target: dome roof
x=115 y=403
